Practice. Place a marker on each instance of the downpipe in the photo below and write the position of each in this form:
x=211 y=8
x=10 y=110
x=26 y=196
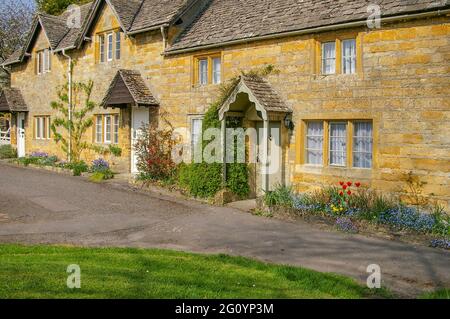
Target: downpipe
x=69 y=78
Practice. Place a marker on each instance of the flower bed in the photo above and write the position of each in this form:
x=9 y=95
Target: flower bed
x=352 y=208
x=99 y=169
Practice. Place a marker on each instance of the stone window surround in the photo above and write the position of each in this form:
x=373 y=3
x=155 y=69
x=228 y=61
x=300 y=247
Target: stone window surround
x=44 y=127
x=103 y=49
x=338 y=39
x=302 y=138
x=210 y=58
x=114 y=129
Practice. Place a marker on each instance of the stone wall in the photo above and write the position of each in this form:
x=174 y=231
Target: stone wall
x=402 y=84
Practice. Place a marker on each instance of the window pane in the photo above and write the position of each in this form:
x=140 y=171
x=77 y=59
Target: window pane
x=45 y=60
x=102 y=48
x=49 y=61
x=98 y=130
x=108 y=129
x=38 y=128
x=363 y=145
x=110 y=47
x=349 y=56
x=329 y=58
x=49 y=123
x=117 y=45
x=314 y=143
x=203 y=72
x=217 y=69
x=116 y=129
x=40 y=61
x=338 y=144
x=41 y=127
x=196 y=135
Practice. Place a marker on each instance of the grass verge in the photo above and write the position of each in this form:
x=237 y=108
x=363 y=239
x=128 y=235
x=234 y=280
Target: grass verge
x=40 y=272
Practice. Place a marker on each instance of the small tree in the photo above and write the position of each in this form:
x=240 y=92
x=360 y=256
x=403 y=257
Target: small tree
x=154 y=150
x=79 y=122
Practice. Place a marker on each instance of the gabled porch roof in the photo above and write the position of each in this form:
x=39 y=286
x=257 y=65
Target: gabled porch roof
x=259 y=92
x=128 y=87
x=11 y=101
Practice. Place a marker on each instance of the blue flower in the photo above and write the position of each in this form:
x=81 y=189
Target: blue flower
x=408 y=218
x=440 y=243
x=346 y=225
x=99 y=165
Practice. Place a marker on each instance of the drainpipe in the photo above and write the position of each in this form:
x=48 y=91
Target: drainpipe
x=69 y=78
x=164 y=35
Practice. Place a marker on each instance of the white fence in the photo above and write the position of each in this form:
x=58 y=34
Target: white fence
x=5 y=137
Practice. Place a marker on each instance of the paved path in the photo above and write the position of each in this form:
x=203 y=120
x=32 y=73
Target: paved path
x=43 y=207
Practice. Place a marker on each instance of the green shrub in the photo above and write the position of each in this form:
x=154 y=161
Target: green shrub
x=281 y=196
x=237 y=179
x=98 y=177
x=78 y=168
x=201 y=180
x=7 y=151
x=115 y=150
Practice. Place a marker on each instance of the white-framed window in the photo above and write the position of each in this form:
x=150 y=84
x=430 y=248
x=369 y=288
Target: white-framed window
x=338 y=143
x=116 y=129
x=42 y=129
x=102 y=47
x=107 y=133
x=329 y=58
x=107 y=129
x=109 y=53
x=118 y=45
x=349 y=56
x=217 y=70
x=98 y=129
x=362 y=144
x=43 y=61
x=203 y=71
x=314 y=143
x=39 y=66
x=196 y=136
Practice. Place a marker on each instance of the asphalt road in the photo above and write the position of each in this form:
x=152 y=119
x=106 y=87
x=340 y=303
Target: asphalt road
x=43 y=207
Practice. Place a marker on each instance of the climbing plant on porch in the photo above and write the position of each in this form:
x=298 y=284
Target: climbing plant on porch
x=204 y=179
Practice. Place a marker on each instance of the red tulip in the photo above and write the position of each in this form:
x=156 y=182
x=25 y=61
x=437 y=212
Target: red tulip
x=349 y=192
x=344 y=187
x=342 y=183
x=358 y=184
x=341 y=193
x=349 y=184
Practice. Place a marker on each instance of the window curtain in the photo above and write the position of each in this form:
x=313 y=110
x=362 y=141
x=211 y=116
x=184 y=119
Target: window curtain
x=314 y=143
x=203 y=72
x=338 y=144
x=216 y=71
x=363 y=145
x=196 y=135
x=349 y=56
x=329 y=58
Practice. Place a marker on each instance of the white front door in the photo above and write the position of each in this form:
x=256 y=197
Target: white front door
x=20 y=134
x=139 y=118
x=275 y=164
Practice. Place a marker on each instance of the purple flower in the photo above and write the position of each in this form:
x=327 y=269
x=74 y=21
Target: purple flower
x=346 y=225
x=99 y=165
x=440 y=243
x=39 y=154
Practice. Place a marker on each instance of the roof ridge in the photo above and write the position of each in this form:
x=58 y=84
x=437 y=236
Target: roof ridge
x=136 y=14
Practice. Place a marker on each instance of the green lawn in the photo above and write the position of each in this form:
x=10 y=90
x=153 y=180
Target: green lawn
x=40 y=272
x=439 y=294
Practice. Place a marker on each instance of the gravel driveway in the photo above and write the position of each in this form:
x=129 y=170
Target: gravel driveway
x=44 y=207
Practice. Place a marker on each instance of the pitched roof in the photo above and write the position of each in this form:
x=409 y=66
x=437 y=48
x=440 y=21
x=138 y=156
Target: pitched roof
x=265 y=94
x=134 y=16
x=229 y=20
x=260 y=92
x=158 y=12
x=136 y=91
x=11 y=100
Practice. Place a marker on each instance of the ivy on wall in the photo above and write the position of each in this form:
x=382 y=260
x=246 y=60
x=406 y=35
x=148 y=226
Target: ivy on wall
x=205 y=180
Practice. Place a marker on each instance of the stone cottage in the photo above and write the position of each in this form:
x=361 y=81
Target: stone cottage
x=361 y=89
